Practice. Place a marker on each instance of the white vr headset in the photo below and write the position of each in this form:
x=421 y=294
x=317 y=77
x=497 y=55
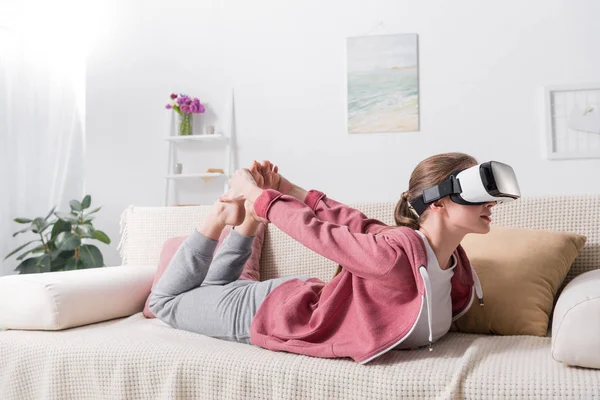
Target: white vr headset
x=480 y=184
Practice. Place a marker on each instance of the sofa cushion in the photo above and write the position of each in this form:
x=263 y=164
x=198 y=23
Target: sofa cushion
x=60 y=300
x=520 y=271
x=576 y=322
x=251 y=269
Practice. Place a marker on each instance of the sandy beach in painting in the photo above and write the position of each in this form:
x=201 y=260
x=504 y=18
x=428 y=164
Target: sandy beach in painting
x=383 y=90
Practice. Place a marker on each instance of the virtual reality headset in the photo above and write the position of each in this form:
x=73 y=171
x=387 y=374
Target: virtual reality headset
x=480 y=184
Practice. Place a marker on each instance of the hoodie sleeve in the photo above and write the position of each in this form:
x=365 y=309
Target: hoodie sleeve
x=364 y=254
x=330 y=210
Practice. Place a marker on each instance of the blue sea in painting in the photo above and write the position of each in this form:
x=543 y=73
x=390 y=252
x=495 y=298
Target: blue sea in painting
x=383 y=100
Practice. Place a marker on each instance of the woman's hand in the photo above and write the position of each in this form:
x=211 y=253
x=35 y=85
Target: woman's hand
x=271 y=177
x=268 y=173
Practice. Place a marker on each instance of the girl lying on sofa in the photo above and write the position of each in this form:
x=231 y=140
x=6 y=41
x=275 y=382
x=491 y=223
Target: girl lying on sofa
x=397 y=287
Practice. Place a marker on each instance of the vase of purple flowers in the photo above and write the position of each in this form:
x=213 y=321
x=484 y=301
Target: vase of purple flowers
x=186 y=107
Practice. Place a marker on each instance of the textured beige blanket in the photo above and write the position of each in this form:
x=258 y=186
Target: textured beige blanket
x=136 y=358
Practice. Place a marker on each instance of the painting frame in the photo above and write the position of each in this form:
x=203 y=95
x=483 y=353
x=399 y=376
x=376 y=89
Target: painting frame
x=561 y=103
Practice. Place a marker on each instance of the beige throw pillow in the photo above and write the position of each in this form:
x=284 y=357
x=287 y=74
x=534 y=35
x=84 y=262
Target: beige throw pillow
x=520 y=271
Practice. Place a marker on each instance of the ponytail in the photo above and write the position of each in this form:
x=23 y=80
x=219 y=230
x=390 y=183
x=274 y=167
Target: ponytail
x=404 y=215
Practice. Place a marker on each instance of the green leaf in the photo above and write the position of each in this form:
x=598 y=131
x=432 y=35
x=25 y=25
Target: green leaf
x=85 y=230
x=87 y=201
x=75 y=205
x=39 y=249
x=94 y=210
x=46 y=226
x=88 y=218
x=64 y=255
x=21 y=266
x=101 y=236
x=37 y=225
x=60 y=226
x=22 y=220
x=22 y=231
x=72 y=264
x=44 y=263
x=58 y=264
x=66 y=217
x=55 y=255
x=50 y=213
x=19 y=248
x=91 y=256
x=35 y=265
x=67 y=241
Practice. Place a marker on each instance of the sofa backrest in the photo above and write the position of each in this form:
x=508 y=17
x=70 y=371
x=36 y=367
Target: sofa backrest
x=145 y=229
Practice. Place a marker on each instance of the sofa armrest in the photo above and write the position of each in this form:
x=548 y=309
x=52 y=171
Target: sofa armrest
x=575 y=325
x=60 y=300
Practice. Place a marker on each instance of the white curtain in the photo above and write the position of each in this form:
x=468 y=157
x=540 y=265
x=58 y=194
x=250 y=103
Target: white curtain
x=42 y=76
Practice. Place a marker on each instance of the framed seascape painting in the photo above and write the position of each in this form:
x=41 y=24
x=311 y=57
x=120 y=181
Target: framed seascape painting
x=383 y=83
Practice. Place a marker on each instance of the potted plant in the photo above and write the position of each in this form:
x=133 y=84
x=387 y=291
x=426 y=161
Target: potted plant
x=62 y=243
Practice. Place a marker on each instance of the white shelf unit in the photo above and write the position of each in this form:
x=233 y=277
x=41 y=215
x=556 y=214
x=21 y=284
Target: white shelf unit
x=216 y=136
x=174 y=141
x=201 y=175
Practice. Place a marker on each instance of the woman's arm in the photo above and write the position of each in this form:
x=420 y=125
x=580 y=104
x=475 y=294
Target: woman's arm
x=324 y=208
x=330 y=210
x=364 y=254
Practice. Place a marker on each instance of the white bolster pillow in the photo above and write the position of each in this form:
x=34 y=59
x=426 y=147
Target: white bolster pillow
x=65 y=299
x=576 y=322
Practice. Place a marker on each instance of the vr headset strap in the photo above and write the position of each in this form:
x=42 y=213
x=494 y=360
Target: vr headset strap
x=446 y=188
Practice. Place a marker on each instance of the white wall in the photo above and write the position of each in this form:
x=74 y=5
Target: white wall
x=482 y=69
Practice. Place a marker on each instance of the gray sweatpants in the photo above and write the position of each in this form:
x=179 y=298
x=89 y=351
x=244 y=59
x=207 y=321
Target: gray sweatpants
x=202 y=292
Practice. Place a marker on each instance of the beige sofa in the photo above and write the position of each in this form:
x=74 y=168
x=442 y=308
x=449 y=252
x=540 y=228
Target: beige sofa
x=129 y=356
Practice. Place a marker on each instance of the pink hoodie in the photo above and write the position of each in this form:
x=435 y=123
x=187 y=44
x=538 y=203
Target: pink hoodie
x=368 y=308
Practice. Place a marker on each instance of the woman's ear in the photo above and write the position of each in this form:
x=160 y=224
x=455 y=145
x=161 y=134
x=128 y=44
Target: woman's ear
x=437 y=205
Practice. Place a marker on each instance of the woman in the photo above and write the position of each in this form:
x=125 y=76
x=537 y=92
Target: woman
x=397 y=287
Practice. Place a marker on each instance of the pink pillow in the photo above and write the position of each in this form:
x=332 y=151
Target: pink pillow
x=251 y=269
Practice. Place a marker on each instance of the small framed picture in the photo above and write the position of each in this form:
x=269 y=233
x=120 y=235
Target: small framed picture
x=572 y=121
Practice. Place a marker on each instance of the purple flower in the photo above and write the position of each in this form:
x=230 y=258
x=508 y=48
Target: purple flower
x=183 y=99
x=184 y=104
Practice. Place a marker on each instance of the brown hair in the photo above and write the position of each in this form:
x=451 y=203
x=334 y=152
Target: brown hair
x=429 y=172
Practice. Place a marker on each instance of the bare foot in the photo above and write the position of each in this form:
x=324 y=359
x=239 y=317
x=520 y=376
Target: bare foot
x=221 y=214
x=229 y=213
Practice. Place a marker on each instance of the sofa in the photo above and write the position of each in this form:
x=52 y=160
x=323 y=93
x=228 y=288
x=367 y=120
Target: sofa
x=81 y=334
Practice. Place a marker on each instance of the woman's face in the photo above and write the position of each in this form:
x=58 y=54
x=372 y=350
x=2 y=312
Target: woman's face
x=470 y=219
